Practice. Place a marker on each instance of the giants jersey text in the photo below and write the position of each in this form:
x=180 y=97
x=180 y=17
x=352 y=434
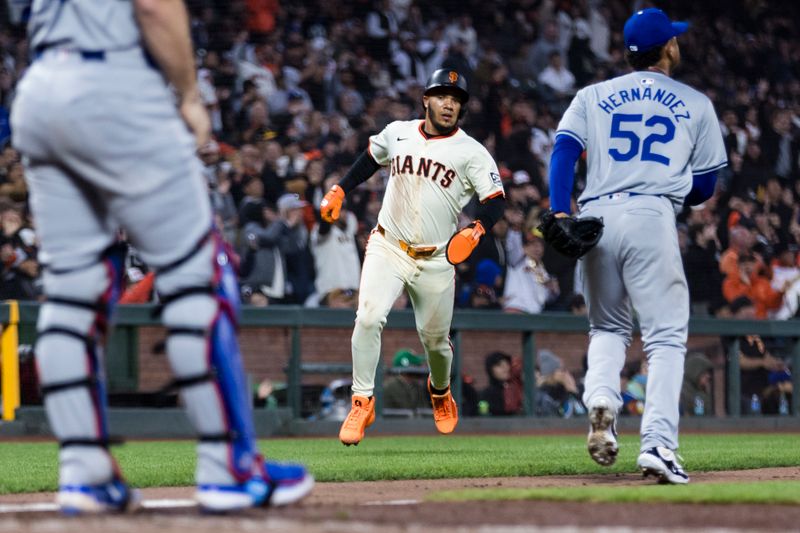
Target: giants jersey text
x=431 y=180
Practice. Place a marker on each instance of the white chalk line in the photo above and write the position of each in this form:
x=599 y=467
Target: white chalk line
x=48 y=507
x=393 y=502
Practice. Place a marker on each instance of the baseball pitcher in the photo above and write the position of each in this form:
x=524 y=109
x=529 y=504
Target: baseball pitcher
x=653 y=144
x=435 y=168
x=106 y=148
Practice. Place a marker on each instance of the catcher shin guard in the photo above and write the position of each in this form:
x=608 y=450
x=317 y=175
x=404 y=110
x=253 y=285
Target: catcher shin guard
x=72 y=329
x=200 y=307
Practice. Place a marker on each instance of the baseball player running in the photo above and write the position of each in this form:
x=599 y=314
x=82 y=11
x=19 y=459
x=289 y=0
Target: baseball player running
x=106 y=148
x=435 y=168
x=653 y=144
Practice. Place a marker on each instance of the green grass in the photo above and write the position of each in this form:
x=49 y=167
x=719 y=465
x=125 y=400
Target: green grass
x=765 y=492
x=30 y=467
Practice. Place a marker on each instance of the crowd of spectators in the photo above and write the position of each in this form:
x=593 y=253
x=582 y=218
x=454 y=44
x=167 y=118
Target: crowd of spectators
x=295 y=88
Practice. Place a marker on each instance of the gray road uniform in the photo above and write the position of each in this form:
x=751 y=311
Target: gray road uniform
x=645 y=135
x=106 y=149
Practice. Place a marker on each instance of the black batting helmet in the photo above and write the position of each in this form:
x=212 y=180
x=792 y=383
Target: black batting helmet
x=448 y=78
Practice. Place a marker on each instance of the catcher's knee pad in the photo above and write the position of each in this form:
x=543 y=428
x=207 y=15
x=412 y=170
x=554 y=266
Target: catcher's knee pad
x=72 y=328
x=200 y=299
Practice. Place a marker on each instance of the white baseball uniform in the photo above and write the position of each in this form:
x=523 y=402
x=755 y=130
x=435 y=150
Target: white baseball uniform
x=431 y=180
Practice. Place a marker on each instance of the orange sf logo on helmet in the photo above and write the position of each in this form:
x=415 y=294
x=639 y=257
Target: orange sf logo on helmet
x=453 y=76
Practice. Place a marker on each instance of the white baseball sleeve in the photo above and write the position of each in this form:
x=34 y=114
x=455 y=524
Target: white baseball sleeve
x=483 y=175
x=573 y=123
x=378 y=146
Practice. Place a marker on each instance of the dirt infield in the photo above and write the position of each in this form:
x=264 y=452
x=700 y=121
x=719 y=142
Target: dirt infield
x=389 y=506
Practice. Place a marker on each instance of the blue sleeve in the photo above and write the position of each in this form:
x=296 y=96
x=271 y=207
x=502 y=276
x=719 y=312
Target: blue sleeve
x=566 y=152
x=702 y=188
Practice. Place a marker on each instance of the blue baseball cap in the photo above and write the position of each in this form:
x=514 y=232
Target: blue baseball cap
x=649 y=28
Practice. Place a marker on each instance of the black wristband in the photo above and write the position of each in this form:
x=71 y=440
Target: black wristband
x=361 y=171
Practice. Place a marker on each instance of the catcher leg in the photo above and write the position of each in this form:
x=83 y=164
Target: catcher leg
x=82 y=284
x=204 y=355
x=199 y=295
x=72 y=329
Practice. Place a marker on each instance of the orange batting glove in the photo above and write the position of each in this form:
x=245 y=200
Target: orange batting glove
x=331 y=204
x=463 y=242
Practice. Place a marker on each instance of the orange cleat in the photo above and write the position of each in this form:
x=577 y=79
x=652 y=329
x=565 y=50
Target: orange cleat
x=361 y=416
x=445 y=410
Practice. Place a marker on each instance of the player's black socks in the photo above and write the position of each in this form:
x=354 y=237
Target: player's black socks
x=439 y=392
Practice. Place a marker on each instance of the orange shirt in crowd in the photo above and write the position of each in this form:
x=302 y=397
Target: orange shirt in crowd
x=728 y=263
x=759 y=291
x=261 y=15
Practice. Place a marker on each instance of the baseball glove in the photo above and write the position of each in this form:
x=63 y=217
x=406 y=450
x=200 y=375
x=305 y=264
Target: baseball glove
x=569 y=235
x=460 y=245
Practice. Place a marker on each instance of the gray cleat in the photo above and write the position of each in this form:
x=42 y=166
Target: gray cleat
x=602 y=441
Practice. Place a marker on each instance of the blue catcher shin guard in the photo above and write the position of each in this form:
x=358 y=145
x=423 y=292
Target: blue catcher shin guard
x=270 y=483
x=255 y=482
x=200 y=302
x=226 y=359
